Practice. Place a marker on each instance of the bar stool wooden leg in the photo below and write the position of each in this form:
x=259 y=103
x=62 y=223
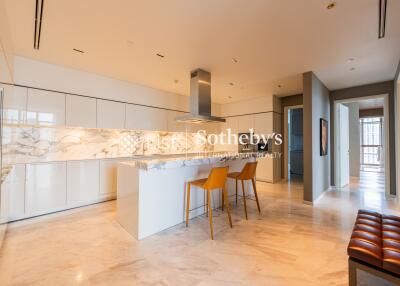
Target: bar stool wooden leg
x=207 y=203
x=255 y=193
x=223 y=197
x=228 y=207
x=244 y=199
x=188 y=205
x=236 y=189
x=210 y=213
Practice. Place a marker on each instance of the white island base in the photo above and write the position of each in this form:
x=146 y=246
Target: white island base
x=151 y=194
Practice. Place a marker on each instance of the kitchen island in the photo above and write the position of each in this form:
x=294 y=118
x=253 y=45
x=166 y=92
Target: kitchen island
x=151 y=192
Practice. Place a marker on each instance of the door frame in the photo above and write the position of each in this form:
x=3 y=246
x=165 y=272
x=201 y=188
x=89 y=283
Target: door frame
x=286 y=139
x=386 y=112
x=338 y=150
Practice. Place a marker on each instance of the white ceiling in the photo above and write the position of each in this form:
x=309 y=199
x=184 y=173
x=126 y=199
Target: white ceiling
x=274 y=42
x=371 y=103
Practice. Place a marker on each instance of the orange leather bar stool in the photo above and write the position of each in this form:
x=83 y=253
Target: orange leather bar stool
x=248 y=173
x=215 y=181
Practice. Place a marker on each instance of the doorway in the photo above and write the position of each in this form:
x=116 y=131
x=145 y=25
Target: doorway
x=293 y=144
x=360 y=143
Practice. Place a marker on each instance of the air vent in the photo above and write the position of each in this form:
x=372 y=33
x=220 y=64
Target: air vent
x=382 y=18
x=38 y=23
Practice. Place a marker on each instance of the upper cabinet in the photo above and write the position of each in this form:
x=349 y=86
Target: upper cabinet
x=146 y=118
x=230 y=123
x=45 y=107
x=110 y=114
x=173 y=125
x=14 y=104
x=245 y=123
x=80 y=111
x=263 y=123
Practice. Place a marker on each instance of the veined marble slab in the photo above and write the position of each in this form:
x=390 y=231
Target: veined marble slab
x=31 y=144
x=5 y=171
x=169 y=162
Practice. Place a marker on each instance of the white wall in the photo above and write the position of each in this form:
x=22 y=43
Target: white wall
x=260 y=104
x=6 y=47
x=354 y=139
x=37 y=74
x=397 y=120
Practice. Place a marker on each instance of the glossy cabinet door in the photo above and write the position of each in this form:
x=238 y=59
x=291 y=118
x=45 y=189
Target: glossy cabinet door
x=108 y=177
x=231 y=123
x=82 y=182
x=173 y=125
x=110 y=114
x=13 y=195
x=145 y=118
x=263 y=123
x=14 y=104
x=45 y=188
x=45 y=107
x=265 y=170
x=80 y=111
x=245 y=123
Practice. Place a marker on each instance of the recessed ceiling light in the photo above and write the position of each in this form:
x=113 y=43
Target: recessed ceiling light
x=231 y=84
x=234 y=60
x=331 y=5
x=160 y=55
x=352 y=69
x=78 y=51
x=350 y=60
x=280 y=86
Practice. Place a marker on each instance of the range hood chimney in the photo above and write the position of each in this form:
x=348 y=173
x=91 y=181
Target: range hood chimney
x=200 y=99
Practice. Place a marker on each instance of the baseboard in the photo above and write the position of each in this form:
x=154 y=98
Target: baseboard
x=317 y=199
x=264 y=181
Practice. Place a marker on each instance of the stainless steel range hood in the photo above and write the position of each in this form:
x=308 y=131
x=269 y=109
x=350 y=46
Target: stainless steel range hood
x=200 y=99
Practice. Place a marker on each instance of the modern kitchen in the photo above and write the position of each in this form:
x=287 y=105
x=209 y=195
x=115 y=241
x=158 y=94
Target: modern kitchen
x=190 y=143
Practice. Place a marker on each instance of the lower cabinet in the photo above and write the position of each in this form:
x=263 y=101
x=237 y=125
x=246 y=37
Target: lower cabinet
x=265 y=170
x=12 y=198
x=108 y=176
x=42 y=188
x=45 y=188
x=82 y=182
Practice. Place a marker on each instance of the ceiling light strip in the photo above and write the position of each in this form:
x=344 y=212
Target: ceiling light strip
x=38 y=23
x=382 y=18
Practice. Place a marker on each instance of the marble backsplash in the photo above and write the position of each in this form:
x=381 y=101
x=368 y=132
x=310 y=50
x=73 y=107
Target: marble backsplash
x=31 y=144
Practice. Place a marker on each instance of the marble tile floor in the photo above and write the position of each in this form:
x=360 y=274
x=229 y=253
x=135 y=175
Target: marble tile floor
x=290 y=243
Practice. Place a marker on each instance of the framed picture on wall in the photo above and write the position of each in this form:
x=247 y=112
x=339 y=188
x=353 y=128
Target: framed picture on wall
x=323 y=137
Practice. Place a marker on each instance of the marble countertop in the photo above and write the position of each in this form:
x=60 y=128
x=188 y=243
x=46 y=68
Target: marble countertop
x=182 y=160
x=5 y=171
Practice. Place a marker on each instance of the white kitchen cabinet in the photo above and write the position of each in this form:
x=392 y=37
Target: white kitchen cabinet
x=108 y=176
x=231 y=123
x=212 y=128
x=245 y=123
x=13 y=195
x=82 y=182
x=173 y=125
x=145 y=118
x=110 y=114
x=263 y=123
x=265 y=170
x=45 y=188
x=45 y=107
x=80 y=111
x=14 y=104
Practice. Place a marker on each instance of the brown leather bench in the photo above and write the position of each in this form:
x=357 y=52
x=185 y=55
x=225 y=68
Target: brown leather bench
x=375 y=246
